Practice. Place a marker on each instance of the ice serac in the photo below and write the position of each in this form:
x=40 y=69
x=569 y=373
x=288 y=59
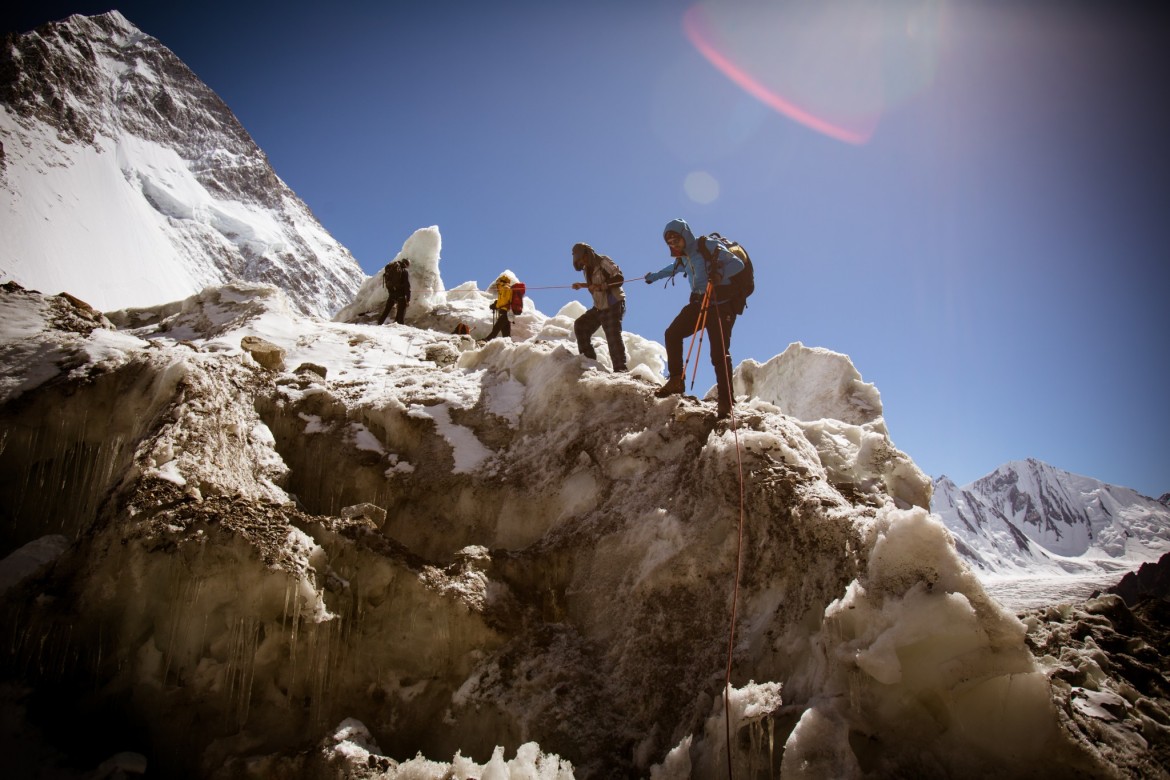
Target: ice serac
x=423 y=250
x=127 y=182
x=824 y=394
x=506 y=562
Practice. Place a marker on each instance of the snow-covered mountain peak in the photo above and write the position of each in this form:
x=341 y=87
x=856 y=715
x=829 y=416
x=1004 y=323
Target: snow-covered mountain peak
x=126 y=180
x=943 y=482
x=1056 y=520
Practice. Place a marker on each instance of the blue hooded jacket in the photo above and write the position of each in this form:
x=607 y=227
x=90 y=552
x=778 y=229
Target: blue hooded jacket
x=694 y=266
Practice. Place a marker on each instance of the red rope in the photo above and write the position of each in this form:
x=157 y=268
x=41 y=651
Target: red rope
x=739 y=547
x=547 y=287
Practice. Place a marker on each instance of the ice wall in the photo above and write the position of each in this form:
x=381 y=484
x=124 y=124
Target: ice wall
x=511 y=546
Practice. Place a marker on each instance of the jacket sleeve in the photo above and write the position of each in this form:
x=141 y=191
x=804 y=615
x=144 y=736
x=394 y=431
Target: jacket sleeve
x=663 y=272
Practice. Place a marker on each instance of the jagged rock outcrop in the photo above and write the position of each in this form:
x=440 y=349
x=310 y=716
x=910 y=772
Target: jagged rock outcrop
x=128 y=182
x=556 y=565
x=1107 y=665
x=1150 y=581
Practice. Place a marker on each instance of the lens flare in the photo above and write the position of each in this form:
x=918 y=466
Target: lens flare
x=836 y=66
x=701 y=187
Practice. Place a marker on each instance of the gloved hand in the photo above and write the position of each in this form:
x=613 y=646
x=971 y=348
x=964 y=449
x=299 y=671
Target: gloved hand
x=648 y=279
x=491 y=307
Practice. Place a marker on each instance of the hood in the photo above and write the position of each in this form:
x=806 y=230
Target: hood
x=681 y=227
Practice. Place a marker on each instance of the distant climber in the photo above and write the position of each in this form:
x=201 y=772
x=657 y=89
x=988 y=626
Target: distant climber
x=396 y=278
x=604 y=281
x=502 y=289
x=710 y=306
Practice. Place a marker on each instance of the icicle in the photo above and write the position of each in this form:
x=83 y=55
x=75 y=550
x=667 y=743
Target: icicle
x=771 y=747
x=250 y=644
x=98 y=665
x=241 y=667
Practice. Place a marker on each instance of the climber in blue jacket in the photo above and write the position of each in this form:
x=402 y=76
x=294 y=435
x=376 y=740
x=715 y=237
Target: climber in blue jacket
x=689 y=259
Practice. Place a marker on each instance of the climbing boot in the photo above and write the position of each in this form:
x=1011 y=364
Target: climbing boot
x=674 y=386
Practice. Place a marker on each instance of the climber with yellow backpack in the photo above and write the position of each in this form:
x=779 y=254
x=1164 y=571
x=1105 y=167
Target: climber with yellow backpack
x=509 y=294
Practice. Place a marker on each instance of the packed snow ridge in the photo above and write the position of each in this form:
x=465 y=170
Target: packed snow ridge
x=126 y=181
x=328 y=547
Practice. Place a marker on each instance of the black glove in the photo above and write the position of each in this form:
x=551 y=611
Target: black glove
x=648 y=279
x=491 y=307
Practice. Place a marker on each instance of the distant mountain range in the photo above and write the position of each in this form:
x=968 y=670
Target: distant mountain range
x=1029 y=517
x=128 y=182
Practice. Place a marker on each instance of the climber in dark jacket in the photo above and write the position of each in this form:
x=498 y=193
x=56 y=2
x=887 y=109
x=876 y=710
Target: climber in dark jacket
x=396 y=278
x=688 y=259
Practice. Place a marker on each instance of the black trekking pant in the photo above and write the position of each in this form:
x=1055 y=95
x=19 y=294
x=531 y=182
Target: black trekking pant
x=400 y=317
x=503 y=326
x=720 y=321
x=610 y=321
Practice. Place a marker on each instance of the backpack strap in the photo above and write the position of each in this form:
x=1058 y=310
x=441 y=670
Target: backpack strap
x=610 y=270
x=701 y=241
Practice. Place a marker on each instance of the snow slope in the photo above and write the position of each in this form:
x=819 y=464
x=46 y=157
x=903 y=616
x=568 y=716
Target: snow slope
x=127 y=182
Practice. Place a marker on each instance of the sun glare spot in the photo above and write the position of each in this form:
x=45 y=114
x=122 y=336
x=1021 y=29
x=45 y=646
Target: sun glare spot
x=701 y=187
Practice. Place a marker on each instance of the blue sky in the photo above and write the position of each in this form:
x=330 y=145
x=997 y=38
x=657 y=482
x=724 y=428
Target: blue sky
x=995 y=257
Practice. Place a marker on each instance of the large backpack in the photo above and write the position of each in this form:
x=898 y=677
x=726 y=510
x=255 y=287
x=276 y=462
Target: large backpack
x=743 y=284
x=518 y=298
x=392 y=277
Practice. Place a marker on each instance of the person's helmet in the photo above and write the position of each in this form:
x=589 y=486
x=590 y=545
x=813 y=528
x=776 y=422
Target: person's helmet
x=406 y=262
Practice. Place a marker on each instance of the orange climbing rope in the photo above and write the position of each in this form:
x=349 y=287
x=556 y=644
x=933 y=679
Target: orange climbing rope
x=700 y=326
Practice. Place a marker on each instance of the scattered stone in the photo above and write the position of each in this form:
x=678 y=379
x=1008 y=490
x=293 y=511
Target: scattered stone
x=312 y=368
x=366 y=514
x=264 y=352
x=442 y=354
